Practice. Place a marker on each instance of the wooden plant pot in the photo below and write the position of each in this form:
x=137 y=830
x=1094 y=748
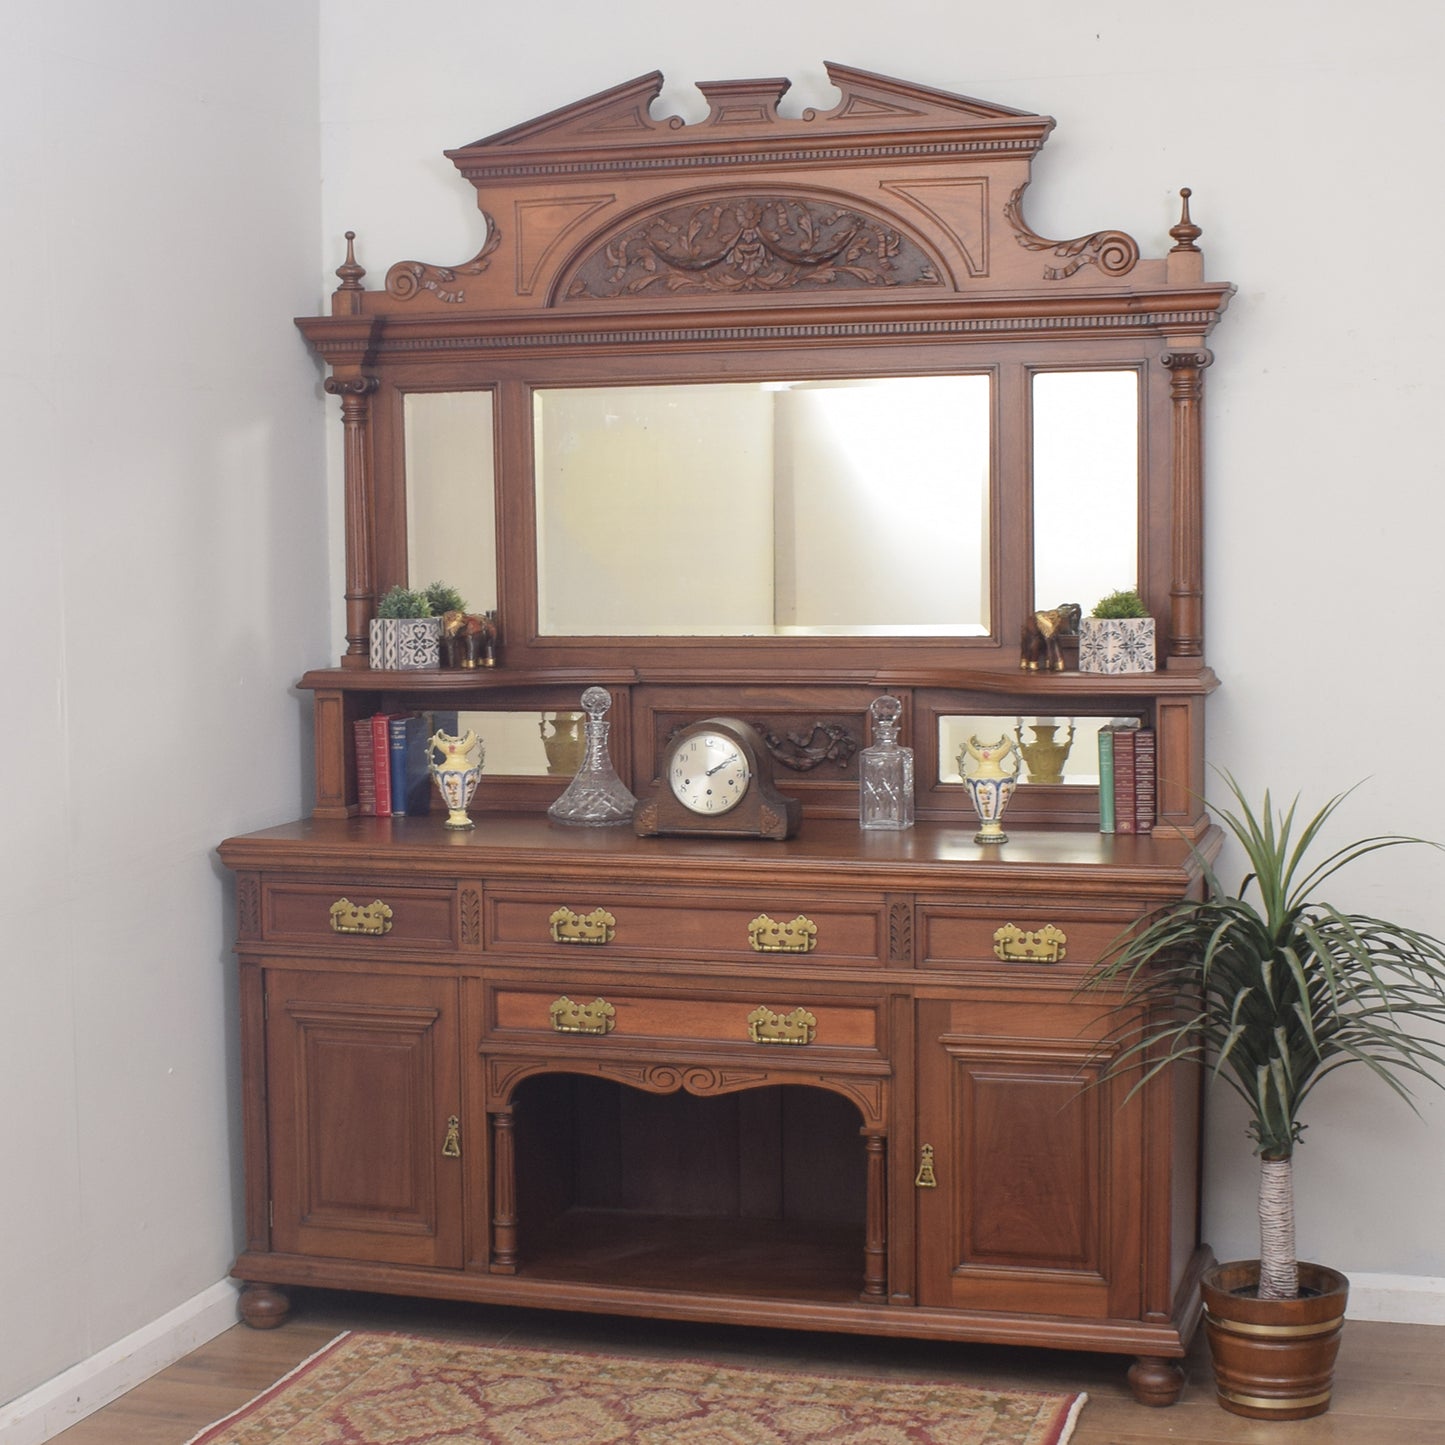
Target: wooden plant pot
x=1273 y=1359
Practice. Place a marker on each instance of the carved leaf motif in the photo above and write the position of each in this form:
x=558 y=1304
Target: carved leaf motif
x=752 y=243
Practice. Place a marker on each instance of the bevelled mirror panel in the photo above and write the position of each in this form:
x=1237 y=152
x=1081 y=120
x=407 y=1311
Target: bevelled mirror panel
x=451 y=526
x=1058 y=750
x=855 y=507
x=1086 y=485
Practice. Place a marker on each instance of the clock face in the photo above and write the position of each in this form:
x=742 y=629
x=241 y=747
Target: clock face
x=708 y=773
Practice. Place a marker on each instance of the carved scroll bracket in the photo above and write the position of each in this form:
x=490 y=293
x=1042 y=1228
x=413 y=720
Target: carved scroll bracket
x=1113 y=252
x=407 y=279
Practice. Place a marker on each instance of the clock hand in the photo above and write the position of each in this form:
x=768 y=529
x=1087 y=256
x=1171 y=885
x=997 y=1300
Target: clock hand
x=718 y=767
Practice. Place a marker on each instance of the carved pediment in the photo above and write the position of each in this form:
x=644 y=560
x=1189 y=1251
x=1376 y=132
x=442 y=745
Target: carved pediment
x=870 y=104
x=750 y=243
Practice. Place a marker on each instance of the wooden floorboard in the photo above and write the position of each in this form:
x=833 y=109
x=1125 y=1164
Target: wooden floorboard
x=1389 y=1385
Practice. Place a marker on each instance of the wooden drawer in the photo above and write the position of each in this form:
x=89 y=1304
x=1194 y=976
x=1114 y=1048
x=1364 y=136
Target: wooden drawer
x=708 y=927
x=360 y=914
x=1026 y=940
x=773 y=1021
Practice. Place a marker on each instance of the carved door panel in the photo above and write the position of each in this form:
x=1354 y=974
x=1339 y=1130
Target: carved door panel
x=1036 y=1198
x=363 y=1089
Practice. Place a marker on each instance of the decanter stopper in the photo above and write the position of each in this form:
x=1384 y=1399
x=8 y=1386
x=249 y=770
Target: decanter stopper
x=885 y=771
x=596 y=797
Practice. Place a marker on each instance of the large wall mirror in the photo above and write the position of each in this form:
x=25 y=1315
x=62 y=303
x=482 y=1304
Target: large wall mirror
x=850 y=507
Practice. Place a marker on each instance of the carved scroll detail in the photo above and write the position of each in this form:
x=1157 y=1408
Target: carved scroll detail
x=752 y=243
x=1113 y=252
x=407 y=278
x=803 y=751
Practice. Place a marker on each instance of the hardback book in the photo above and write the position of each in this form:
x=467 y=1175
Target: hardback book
x=411 y=784
x=365 y=766
x=1146 y=780
x=381 y=761
x=1106 y=780
x=1125 y=820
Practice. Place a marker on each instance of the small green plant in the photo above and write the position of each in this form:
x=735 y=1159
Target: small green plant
x=1121 y=604
x=403 y=602
x=442 y=599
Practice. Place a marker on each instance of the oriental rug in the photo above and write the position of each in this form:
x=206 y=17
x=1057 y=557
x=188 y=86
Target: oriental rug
x=385 y=1389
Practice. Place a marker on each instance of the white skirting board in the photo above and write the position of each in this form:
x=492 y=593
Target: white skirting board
x=1405 y=1299
x=58 y=1404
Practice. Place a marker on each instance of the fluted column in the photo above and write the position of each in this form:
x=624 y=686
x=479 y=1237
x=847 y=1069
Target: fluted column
x=355 y=392
x=1186 y=589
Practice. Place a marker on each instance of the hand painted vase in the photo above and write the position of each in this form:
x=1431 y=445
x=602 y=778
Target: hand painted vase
x=991 y=784
x=458 y=774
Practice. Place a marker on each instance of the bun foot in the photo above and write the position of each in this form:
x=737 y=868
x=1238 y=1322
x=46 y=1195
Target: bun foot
x=263 y=1306
x=1156 y=1381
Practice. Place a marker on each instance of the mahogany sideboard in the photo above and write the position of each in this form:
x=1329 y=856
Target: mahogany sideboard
x=572 y=1073
x=843 y=1081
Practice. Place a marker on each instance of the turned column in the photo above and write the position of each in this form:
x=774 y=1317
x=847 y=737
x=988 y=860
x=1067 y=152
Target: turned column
x=504 y=1192
x=1186 y=589
x=875 y=1237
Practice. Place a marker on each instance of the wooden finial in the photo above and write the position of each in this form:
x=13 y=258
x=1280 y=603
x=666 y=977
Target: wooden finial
x=1186 y=233
x=349 y=271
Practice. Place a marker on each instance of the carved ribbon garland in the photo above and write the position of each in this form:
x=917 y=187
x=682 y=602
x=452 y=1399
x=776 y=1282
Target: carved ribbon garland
x=752 y=243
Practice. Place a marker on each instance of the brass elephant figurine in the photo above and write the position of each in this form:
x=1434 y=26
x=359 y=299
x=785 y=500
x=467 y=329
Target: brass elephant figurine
x=1040 y=649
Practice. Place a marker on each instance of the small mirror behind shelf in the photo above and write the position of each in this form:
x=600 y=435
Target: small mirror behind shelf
x=528 y=743
x=1057 y=750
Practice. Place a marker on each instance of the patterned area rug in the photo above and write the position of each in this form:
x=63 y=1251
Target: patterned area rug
x=379 y=1389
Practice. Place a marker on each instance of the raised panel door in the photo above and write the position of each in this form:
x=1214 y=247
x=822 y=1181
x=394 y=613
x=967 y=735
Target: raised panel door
x=363 y=1088
x=1036 y=1202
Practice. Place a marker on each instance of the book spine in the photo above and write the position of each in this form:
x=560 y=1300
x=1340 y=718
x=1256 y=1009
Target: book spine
x=365 y=769
x=1106 y=780
x=381 y=762
x=1146 y=780
x=1125 y=795
x=399 y=731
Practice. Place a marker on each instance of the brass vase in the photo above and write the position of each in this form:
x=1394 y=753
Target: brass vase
x=1045 y=756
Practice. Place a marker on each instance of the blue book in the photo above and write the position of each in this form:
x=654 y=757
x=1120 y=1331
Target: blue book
x=410 y=773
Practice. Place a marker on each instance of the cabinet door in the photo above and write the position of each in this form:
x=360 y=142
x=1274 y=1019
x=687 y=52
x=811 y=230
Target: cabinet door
x=362 y=1083
x=1037 y=1204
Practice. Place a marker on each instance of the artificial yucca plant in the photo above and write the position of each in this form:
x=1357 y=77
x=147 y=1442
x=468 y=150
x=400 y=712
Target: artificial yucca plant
x=1273 y=990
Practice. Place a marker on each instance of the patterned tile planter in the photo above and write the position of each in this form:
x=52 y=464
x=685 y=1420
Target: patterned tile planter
x=1116 y=644
x=405 y=643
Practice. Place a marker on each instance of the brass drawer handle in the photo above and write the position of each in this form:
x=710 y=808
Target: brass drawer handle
x=569 y=927
x=1044 y=945
x=767 y=1027
x=452 y=1144
x=346 y=917
x=799 y=936
x=925 y=1178
x=582 y=1018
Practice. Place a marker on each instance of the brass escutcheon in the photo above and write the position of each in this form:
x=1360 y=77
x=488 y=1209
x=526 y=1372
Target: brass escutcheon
x=1045 y=945
x=594 y=928
x=346 y=917
x=452 y=1144
x=799 y=936
x=767 y=1027
x=582 y=1018
x=925 y=1178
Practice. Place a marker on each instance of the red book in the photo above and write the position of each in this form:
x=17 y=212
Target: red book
x=381 y=761
x=1146 y=779
x=1125 y=795
x=365 y=766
